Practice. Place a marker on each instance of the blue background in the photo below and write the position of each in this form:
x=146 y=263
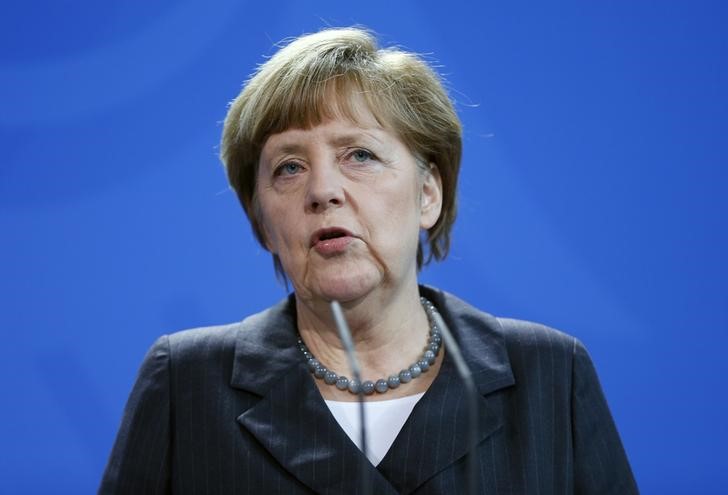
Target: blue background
x=592 y=198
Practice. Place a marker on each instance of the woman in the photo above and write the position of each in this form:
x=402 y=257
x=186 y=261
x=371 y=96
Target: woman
x=345 y=158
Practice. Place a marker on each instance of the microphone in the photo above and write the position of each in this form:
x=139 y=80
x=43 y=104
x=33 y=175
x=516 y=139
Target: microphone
x=345 y=336
x=472 y=398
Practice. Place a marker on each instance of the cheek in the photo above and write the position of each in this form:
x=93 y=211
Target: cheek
x=283 y=233
x=259 y=224
x=269 y=222
x=398 y=221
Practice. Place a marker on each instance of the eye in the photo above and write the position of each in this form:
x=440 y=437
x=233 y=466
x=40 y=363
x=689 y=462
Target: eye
x=288 y=168
x=361 y=155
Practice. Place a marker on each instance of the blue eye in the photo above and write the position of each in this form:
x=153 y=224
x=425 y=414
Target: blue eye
x=361 y=155
x=288 y=168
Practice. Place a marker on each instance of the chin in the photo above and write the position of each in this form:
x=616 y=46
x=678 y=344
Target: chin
x=344 y=287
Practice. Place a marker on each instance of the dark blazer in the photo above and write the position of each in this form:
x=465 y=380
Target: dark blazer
x=232 y=409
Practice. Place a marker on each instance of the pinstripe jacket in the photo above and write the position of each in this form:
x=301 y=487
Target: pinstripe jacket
x=232 y=409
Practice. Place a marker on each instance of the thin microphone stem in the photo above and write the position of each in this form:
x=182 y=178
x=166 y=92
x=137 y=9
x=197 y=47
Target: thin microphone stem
x=345 y=336
x=472 y=397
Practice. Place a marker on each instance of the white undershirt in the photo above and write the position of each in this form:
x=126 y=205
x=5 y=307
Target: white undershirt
x=385 y=418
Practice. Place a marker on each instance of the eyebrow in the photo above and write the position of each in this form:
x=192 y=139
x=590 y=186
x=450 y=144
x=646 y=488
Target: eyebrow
x=349 y=139
x=288 y=148
x=345 y=139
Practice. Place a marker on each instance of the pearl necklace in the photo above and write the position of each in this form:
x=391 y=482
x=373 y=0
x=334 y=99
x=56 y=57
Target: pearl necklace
x=427 y=359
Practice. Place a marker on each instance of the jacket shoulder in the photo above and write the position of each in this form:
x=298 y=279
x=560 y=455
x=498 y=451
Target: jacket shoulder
x=202 y=342
x=531 y=335
x=245 y=345
x=511 y=332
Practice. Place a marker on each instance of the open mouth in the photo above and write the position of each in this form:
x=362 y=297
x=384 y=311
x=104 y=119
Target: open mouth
x=331 y=235
x=328 y=234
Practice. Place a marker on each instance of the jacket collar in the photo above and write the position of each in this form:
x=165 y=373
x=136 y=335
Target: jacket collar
x=268 y=363
x=266 y=343
x=265 y=348
x=291 y=420
x=481 y=339
x=437 y=432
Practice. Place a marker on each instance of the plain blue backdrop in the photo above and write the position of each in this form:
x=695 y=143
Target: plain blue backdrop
x=592 y=198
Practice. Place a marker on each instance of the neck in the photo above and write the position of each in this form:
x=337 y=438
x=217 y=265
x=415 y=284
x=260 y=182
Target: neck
x=388 y=332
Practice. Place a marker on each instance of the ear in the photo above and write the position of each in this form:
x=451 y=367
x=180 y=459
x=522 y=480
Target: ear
x=430 y=197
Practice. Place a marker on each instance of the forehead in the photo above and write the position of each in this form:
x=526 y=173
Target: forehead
x=335 y=133
x=352 y=123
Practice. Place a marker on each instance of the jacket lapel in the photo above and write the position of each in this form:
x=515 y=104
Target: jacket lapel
x=291 y=420
x=293 y=423
x=437 y=432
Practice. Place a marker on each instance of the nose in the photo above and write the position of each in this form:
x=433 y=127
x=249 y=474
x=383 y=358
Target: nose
x=325 y=188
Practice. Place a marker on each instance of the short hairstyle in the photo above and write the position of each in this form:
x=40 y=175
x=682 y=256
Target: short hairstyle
x=311 y=79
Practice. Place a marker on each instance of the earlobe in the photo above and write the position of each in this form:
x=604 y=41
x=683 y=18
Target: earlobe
x=430 y=197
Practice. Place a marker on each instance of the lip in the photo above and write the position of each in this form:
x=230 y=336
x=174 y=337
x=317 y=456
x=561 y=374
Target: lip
x=332 y=245
x=316 y=236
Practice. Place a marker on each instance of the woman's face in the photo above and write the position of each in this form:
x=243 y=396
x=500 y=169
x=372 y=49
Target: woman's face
x=342 y=205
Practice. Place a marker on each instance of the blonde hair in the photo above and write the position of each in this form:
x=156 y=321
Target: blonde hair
x=312 y=79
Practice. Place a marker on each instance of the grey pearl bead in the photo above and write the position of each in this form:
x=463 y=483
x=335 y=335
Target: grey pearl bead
x=368 y=387
x=342 y=383
x=354 y=386
x=313 y=364
x=393 y=381
x=430 y=356
x=434 y=348
x=330 y=377
x=320 y=371
x=415 y=370
x=381 y=386
x=436 y=338
x=423 y=364
x=405 y=376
